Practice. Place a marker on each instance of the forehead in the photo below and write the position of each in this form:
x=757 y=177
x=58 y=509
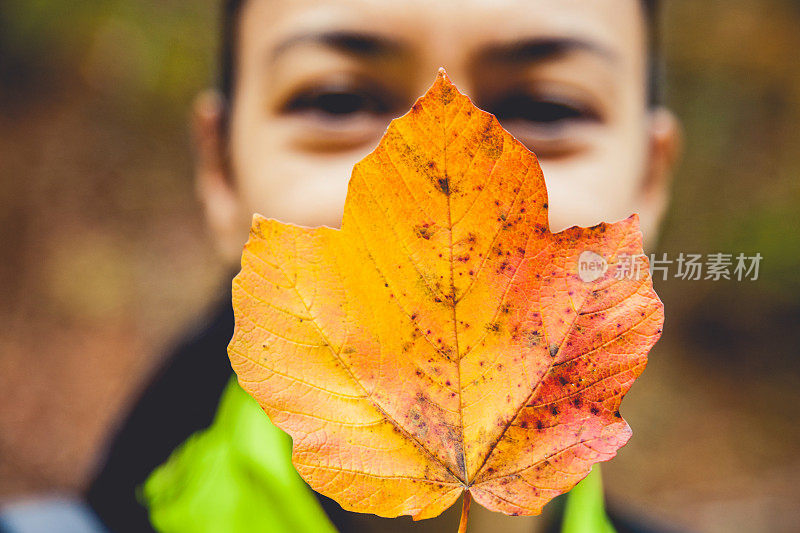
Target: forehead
x=452 y=29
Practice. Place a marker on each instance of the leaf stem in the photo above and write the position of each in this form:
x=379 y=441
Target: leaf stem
x=462 y=526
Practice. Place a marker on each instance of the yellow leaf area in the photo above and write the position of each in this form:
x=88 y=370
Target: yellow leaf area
x=442 y=341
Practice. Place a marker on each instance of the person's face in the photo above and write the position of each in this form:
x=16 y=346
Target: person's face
x=317 y=82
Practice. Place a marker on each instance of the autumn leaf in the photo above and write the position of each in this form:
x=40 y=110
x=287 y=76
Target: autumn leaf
x=443 y=341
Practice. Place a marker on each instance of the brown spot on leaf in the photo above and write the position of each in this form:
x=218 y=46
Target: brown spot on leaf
x=534 y=338
x=444 y=186
x=423 y=231
x=493 y=327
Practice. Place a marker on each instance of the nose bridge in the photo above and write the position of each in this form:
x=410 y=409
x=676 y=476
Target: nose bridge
x=444 y=41
x=446 y=49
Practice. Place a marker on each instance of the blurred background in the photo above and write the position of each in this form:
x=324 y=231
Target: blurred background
x=104 y=259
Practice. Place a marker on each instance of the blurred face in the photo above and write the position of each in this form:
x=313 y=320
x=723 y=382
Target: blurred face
x=317 y=82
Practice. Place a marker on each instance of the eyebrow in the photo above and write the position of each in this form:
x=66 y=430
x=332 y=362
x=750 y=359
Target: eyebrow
x=350 y=42
x=543 y=48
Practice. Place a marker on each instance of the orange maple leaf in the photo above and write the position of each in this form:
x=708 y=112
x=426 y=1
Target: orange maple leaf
x=443 y=341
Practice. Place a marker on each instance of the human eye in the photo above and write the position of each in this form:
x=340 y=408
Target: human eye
x=337 y=101
x=338 y=114
x=550 y=123
x=542 y=109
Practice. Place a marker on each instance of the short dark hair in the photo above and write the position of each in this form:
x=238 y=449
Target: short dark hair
x=231 y=11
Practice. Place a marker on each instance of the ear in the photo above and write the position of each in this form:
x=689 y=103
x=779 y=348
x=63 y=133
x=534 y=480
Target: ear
x=665 y=146
x=213 y=180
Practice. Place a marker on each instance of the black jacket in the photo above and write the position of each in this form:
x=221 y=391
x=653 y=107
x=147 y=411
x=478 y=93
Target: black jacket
x=181 y=399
